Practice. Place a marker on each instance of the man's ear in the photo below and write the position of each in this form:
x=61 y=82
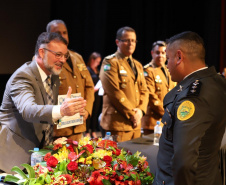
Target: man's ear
x=41 y=52
x=116 y=41
x=179 y=56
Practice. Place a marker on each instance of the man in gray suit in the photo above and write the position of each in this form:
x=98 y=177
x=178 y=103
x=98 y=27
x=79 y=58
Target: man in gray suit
x=25 y=113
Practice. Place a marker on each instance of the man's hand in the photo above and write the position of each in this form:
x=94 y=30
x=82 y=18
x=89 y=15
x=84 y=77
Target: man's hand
x=85 y=114
x=136 y=118
x=71 y=106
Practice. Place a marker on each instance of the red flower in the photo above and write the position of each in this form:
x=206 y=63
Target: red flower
x=116 y=152
x=72 y=156
x=57 y=146
x=52 y=162
x=108 y=160
x=68 y=178
x=70 y=147
x=89 y=148
x=47 y=156
x=96 y=178
x=72 y=166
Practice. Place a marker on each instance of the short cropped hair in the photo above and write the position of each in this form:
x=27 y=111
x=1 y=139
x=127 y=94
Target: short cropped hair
x=45 y=38
x=120 y=31
x=158 y=43
x=191 y=41
x=57 y=21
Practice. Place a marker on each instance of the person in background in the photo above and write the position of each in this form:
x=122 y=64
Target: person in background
x=75 y=75
x=92 y=122
x=194 y=118
x=29 y=111
x=159 y=83
x=125 y=92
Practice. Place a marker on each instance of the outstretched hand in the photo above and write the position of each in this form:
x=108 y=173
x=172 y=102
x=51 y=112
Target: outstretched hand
x=71 y=106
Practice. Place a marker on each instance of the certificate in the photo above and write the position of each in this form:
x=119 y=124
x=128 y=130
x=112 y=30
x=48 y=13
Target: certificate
x=68 y=121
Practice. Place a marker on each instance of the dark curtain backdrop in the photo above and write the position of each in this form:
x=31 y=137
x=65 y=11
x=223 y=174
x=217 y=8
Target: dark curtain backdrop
x=92 y=25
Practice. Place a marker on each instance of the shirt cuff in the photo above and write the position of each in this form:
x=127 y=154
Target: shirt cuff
x=56 y=115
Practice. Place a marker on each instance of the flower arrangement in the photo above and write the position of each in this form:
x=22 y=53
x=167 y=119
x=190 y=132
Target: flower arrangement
x=89 y=161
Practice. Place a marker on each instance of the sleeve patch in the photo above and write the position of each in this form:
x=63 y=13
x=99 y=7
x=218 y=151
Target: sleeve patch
x=107 y=67
x=185 y=111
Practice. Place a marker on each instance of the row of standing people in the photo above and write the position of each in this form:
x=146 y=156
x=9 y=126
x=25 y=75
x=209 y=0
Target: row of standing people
x=189 y=145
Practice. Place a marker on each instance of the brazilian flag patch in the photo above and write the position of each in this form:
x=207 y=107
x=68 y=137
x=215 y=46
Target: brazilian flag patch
x=107 y=67
x=185 y=111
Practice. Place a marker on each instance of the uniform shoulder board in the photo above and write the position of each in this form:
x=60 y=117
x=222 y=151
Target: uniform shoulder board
x=194 y=88
x=110 y=56
x=146 y=66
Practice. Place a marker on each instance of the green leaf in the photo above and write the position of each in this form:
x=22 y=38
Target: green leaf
x=40 y=179
x=106 y=182
x=32 y=181
x=48 y=179
x=19 y=171
x=30 y=170
x=11 y=178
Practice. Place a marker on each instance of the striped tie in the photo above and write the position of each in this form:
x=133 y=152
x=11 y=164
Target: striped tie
x=49 y=94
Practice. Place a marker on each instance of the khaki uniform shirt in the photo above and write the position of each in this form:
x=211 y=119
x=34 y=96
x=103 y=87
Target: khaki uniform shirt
x=122 y=92
x=81 y=82
x=158 y=87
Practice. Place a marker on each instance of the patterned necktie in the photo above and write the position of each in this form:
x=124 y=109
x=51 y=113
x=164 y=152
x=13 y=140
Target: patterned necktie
x=132 y=66
x=49 y=95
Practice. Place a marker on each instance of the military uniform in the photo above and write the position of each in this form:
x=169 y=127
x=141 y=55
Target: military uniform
x=158 y=84
x=123 y=91
x=81 y=82
x=194 y=125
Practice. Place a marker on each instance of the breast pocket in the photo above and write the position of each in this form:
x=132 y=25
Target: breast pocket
x=86 y=78
x=168 y=126
x=123 y=82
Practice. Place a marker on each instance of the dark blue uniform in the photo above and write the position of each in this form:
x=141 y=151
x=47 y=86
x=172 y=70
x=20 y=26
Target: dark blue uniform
x=194 y=125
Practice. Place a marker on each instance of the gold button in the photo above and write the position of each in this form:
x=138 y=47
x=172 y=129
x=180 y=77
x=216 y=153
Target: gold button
x=115 y=111
x=60 y=77
x=156 y=103
x=84 y=76
x=77 y=86
x=124 y=80
x=136 y=90
x=122 y=100
x=74 y=76
x=135 y=82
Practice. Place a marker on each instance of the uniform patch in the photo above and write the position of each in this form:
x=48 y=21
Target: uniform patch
x=107 y=67
x=145 y=73
x=185 y=110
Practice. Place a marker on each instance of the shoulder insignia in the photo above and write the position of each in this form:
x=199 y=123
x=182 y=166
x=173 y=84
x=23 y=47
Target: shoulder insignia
x=146 y=66
x=145 y=73
x=107 y=67
x=194 y=88
x=185 y=111
x=110 y=56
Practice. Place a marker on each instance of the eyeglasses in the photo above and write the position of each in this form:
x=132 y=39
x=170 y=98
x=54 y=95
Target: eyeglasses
x=58 y=55
x=128 y=41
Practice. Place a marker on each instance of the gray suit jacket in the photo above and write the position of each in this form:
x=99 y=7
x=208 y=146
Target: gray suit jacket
x=24 y=115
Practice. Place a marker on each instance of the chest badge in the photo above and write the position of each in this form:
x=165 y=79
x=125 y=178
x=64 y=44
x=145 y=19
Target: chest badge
x=185 y=111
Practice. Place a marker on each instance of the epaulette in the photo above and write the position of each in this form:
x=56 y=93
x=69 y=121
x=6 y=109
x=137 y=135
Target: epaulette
x=110 y=56
x=194 y=88
x=146 y=66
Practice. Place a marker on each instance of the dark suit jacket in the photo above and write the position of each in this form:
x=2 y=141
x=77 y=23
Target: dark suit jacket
x=194 y=124
x=23 y=115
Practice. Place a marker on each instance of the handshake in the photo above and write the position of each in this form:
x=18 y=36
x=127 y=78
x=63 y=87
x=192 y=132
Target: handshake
x=71 y=106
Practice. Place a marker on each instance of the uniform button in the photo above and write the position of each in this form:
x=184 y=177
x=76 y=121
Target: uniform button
x=124 y=80
x=136 y=90
x=77 y=86
x=115 y=111
x=84 y=76
x=122 y=100
x=135 y=82
x=60 y=77
x=156 y=103
x=74 y=76
x=137 y=99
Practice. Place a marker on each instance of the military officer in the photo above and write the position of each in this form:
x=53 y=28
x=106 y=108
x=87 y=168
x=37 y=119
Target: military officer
x=194 y=118
x=76 y=75
x=159 y=83
x=125 y=92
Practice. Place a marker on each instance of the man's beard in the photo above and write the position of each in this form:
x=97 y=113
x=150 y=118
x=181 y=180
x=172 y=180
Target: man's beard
x=51 y=68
